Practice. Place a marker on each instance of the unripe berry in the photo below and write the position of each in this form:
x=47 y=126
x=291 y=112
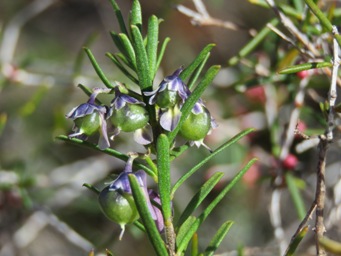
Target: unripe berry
x=130 y=117
x=196 y=126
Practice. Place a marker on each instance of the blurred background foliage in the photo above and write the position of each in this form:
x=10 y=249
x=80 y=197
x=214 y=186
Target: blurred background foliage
x=44 y=210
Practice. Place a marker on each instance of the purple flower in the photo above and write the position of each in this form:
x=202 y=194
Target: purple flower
x=171 y=91
x=122 y=185
x=89 y=118
x=156 y=204
x=169 y=97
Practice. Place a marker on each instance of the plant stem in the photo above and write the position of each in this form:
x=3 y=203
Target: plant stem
x=320 y=194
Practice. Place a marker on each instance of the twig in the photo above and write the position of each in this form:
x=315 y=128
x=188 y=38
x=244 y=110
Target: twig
x=276 y=219
x=332 y=91
x=320 y=194
x=201 y=17
x=293 y=29
x=12 y=30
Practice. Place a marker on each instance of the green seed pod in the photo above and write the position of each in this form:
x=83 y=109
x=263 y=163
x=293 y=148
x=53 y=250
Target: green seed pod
x=118 y=207
x=130 y=117
x=196 y=126
x=88 y=124
x=167 y=99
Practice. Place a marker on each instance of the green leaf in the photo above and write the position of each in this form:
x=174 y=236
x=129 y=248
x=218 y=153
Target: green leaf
x=218 y=238
x=252 y=44
x=162 y=52
x=118 y=42
x=122 y=58
x=304 y=66
x=136 y=14
x=195 y=245
x=139 y=225
x=92 y=188
x=128 y=49
x=149 y=224
x=199 y=197
x=193 y=98
x=118 y=64
x=323 y=19
x=97 y=68
x=152 y=44
x=119 y=16
x=196 y=62
x=183 y=243
x=3 y=121
x=196 y=73
x=185 y=227
x=213 y=154
x=295 y=195
x=80 y=56
x=30 y=107
x=296 y=241
x=108 y=151
x=142 y=65
x=163 y=166
x=330 y=245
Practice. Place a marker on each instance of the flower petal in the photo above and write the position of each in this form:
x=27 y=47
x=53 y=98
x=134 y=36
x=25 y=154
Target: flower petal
x=169 y=118
x=144 y=136
x=103 y=141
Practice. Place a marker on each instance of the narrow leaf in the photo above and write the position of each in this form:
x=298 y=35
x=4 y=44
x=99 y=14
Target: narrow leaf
x=196 y=62
x=152 y=44
x=92 y=188
x=296 y=241
x=108 y=151
x=97 y=68
x=253 y=43
x=119 y=16
x=185 y=227
x=118 y=64
x=129 y=49
x=162 y=52
x=136 y=14
x=218 y=238
x=330 y=245
x=142 y=65
x=199 y=197
x=194 y=97
x=149 y=224
x=3 y=121
x=163 y=166
x=195 y=245
x=80 y=56
x=295 y=195
x=139 y=225
x=304 y=66
x=323 y=19
x=196 y=73
x=118 y=42
x=205 y=160
x=182 y=245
